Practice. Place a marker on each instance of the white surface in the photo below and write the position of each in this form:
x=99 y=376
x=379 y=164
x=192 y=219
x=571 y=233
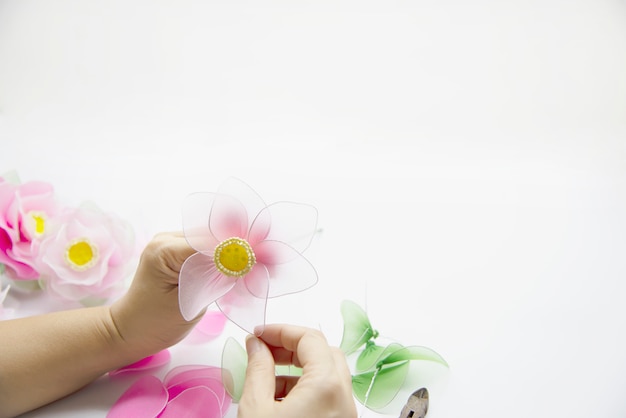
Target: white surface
x=468 y=160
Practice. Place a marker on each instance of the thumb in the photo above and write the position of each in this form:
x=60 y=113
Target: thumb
x=260 y=384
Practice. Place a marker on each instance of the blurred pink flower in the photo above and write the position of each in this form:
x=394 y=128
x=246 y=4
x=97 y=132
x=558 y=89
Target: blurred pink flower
x=148 y=363
x=186 y=391
x=25 y=210
x=86 y=255
x=247 y=251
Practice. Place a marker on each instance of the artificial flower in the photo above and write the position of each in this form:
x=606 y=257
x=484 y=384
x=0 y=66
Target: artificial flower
x=186 y=391
x=148 y=363
x=208 y=328
x=247 y=251
x=25 y=211
x=86 y=255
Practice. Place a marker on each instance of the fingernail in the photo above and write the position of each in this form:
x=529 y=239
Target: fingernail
x=253 y=344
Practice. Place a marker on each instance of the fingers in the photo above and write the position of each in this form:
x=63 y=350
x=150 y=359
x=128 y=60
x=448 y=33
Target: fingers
x=259 y=386
x=308 y=347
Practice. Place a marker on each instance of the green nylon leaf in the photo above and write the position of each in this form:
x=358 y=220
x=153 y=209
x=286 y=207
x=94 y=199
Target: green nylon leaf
x=414 y=352
x=234 y=364
x=288 y=370
x=357 y=329
x=387 y=382
x=371 y=356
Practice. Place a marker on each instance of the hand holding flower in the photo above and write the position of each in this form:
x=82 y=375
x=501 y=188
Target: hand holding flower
x=148 y=316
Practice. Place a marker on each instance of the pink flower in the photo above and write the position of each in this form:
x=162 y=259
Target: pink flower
x=247 y=251
x=148 y=363
x=186 y=391
x=25 y=210
x=86 y=255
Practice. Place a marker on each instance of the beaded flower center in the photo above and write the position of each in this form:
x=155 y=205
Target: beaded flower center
x=234 y=257
x=81 y=254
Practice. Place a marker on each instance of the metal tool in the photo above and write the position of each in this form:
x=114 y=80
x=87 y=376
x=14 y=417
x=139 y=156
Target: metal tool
x=417 y=405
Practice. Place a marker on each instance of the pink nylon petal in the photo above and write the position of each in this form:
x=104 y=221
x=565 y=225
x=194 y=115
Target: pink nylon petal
x=244 y=308
x=228 y=218
x=198 y=402
x=289 y=271
x=256 y=281
x=145 y=398
x=180 y=374
x=212 y=324
x=244 y=194
x=196 y=213
x=151 y=362
x=200 y=284
x=292 y=223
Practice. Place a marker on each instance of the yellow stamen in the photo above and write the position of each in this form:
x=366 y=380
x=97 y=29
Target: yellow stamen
x=234 y=257
x=81 y=254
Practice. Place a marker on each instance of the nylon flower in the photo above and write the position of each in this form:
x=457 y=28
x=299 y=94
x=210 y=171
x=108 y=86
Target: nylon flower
x=247 y=252
x=86 y=255
x=25 y=210
x=186 y=391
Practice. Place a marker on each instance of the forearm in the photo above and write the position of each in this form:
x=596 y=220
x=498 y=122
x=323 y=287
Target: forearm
x=46 y=357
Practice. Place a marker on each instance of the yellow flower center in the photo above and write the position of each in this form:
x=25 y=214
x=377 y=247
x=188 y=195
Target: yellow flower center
x=37 y=223
x=81 y=254
x=234 y=257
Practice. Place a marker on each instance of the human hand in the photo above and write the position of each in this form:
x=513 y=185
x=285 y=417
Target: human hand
x=148 y=316
x=323 y=391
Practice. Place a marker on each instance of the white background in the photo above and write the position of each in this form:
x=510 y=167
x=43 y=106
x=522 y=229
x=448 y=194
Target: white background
x=468 y=160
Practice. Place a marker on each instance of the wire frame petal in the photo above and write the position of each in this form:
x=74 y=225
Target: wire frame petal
x=234 y=364
x=357 y=329
x=244 y=308
x=200 y=284
x=414 y=352
x=145 y=398
x=228 y=218
x=289 y=222
x=245 y=194
x=197 y=401
x=196 y=214
x=289 y=271
x=376 y=389
x=183 y=378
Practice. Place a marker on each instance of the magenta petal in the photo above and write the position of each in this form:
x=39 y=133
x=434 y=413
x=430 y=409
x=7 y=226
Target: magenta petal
x=292 y=223
x=289 y=271
x=145 y=398
x=151 y=362
x=244 y=308
x=211 y=324
x=200 y=284
x=198 y=402
x=196 y=213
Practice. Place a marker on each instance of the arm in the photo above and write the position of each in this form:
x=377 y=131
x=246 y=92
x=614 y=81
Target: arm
x=45 y=357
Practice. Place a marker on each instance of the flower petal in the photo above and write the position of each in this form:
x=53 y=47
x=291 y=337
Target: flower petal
x=245 y=194
x=211 y=324
x=193 y=403
x=289 y=222
x=200 y=284
x=228 y=218
x=145 y=398
x=244 y=308
x=151 y=362
x=196 y=213
x=289 y=271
